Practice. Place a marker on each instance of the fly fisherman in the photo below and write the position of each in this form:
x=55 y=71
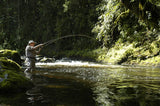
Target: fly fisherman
x=31 y=51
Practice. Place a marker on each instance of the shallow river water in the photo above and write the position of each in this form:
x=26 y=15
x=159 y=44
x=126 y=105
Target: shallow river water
x=76 y=83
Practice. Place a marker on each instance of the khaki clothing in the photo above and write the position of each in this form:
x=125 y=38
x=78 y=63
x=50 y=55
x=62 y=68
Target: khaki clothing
x=30 y=63
x=30 y=52
x=30 y=57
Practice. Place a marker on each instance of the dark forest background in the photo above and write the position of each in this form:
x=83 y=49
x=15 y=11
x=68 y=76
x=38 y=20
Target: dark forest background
x=43 y=20
x=105 y=20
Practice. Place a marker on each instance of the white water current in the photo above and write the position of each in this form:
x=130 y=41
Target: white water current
x=74 y=63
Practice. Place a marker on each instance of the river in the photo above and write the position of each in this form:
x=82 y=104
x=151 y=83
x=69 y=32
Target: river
x=77 y=83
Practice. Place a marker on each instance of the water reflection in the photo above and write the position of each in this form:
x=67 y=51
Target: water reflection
x=119 y=86
x=128 y=87
x=92 y=85
x=54 y=88
x=28 y=75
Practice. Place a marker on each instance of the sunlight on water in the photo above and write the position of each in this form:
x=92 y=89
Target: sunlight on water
x=94 y=84
x=72 y=63
x=114 y=85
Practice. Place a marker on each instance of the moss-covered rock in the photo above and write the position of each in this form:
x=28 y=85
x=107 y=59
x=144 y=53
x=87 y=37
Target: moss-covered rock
x=13 y=82
x=8 y=64
x=45 y=60
x=11 y=54
x=11 y=78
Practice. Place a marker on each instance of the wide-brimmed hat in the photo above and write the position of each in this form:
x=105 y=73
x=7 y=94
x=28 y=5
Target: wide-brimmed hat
x=31 y=41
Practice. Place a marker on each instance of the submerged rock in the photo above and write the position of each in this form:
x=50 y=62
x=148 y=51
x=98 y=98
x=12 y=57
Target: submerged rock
x=11 y=54
x=47 y=60
x=11 y=79
x=14 y=82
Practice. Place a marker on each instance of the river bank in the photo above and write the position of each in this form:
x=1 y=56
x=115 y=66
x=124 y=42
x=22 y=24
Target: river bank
x=122 y=53
x=59 y=82
x=131 y=54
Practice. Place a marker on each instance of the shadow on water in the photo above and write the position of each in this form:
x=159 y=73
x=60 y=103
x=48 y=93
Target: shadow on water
x=60 y=89
x=81 y=86
x=53 y=89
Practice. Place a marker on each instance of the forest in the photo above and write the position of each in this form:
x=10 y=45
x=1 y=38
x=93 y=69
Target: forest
x=105 y=52
x=126 y=31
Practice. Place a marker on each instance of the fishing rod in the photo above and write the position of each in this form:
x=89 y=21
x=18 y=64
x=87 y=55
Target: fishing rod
x=68 y=36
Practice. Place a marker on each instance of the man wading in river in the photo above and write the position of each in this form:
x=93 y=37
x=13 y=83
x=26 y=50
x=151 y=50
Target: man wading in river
x=31 y=51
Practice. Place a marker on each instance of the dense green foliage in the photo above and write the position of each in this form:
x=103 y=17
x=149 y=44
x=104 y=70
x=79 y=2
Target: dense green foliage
x=115 y=23
x=129 y=20
x=129 y=31
x=22 y=20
